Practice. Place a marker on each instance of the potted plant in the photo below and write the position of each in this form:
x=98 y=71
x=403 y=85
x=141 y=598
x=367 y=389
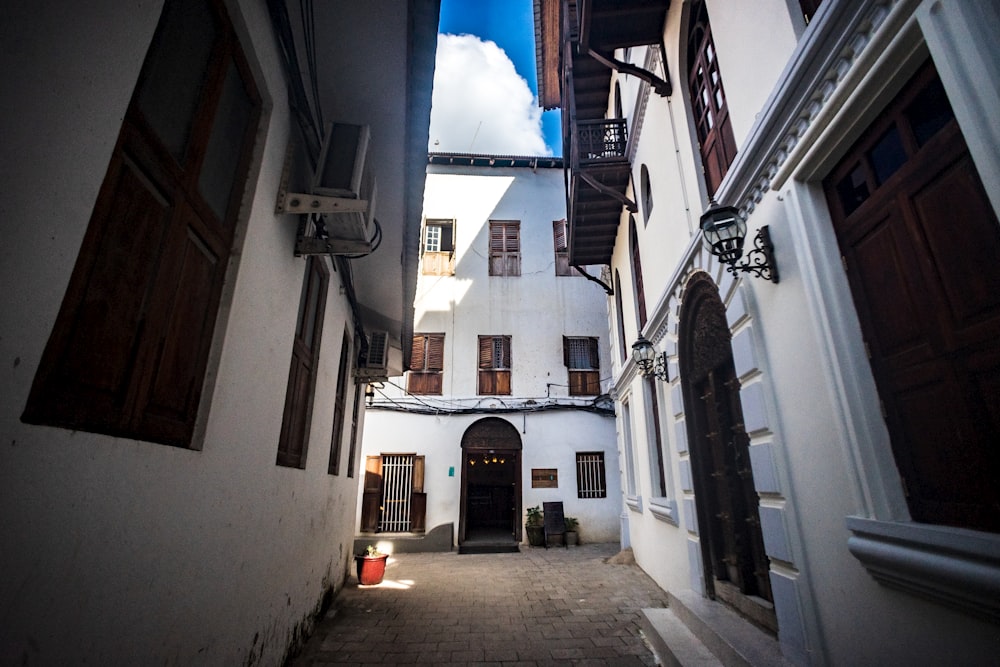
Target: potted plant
x=371 y=566
x=572 y=536
x=534 y=527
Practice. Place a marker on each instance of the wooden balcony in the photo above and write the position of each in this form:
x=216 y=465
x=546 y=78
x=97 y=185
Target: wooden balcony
x=599 y=177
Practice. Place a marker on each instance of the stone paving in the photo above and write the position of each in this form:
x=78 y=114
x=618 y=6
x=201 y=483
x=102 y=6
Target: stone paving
x=554 y=606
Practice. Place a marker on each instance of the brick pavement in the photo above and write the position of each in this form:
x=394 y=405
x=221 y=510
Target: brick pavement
x=539 y=607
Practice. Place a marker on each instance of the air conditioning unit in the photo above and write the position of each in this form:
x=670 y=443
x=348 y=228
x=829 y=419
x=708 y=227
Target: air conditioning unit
x=344 y=171
x=374 y=368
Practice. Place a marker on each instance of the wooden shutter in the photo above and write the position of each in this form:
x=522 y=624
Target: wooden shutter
x=417 y=358
x=640 y=293
x=129 y=349
x=340 y=405
x=485 y=352
x=708 y=98
x=371 y=497
x=418 y=499
x=305 y=359
x=559 y=235
x=435 y=352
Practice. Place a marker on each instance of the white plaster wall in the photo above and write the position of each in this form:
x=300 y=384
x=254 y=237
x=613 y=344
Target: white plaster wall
x=793 y=362
x=123 y=552
x=549 y=440
x=536 y=309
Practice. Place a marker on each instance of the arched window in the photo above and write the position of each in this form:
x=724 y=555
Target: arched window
x=640 y=296
x=620 y=316
x=646 y=192
x=708 y=101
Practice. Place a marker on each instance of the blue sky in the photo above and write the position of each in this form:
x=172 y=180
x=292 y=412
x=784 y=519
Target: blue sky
x=510 y=24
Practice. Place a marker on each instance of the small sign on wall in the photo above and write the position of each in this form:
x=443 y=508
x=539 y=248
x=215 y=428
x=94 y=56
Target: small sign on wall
x=544 y=478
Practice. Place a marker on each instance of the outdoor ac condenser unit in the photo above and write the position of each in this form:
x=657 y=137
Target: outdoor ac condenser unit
x=375 y=367
x=344 y=171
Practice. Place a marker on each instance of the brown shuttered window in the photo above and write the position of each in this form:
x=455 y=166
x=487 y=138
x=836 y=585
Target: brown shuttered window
x=340 y=404
x=708 y=100
x=305 y=360
x=640 y=293
x=426 y=364
x=494 y=365
x=581 y=358
x=559 y=241
x=129 y=349
x=505 y=248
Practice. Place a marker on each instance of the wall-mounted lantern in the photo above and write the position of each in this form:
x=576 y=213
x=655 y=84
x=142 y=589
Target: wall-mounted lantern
x=725 y=230
x=649 y=362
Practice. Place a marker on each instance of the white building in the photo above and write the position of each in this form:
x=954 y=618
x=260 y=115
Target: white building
x=817 y=456
x=180 y=415
x=505 y=404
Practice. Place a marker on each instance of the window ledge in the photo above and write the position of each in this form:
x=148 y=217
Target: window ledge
x=953 y=566
x=664 y=509
x=634 y=503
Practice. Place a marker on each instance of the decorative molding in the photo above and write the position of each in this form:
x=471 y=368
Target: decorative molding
x=664 y=509
x=827 y=53
x=952 y=566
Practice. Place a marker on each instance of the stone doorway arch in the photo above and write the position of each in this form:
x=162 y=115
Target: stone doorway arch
x=490 y=506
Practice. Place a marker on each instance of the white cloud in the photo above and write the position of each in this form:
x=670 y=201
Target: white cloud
x=480 y=103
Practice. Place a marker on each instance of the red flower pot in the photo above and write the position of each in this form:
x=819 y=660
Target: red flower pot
x=371 y=569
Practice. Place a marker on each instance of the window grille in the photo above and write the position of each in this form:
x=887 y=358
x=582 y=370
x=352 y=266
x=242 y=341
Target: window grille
x=397 y=489
x=590 y=477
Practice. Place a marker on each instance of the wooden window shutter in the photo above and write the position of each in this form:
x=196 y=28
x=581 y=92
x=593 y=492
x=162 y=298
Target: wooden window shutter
x=566 y=360
x=130 y=346
x=559 y=235
x=435 y=352
x=417 y=358
x=418 y=499
x=640 y=295
x=486 y=352
x=372 y=495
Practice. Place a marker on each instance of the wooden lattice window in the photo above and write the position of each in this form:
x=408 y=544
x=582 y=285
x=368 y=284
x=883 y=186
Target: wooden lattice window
x=505 y=248
x=426 y=364
x=494 y=365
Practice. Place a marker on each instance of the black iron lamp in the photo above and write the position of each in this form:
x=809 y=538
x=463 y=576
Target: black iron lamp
x=649 y=362
x=725 y=229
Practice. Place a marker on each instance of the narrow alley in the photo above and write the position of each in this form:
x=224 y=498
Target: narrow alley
x=537 y=607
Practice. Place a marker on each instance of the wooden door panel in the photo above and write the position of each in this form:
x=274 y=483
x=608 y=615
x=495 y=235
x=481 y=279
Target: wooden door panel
x=884 y=282
x=185 y=309
x=922 y=254
x=963 y=245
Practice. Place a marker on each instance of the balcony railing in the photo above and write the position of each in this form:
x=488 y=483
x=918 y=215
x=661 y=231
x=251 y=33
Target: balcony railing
x=600 y=140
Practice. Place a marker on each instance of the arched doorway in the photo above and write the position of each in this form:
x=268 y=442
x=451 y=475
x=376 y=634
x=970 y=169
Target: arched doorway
x=491 y=487
x=735 y=565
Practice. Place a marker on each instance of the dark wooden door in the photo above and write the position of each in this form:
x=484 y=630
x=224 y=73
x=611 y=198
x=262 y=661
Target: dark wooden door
x=921 y=246
x=736 y=564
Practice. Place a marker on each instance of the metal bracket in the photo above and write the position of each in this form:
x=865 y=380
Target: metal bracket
x=295 y=202
x=760 y=260
x=662 y=88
